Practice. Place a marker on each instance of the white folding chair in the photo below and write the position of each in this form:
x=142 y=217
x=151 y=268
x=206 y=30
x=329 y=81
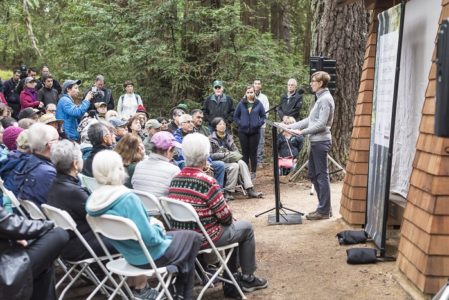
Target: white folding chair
x=183 y=212
x=120 y=228
x=33 y=210
x=14 y=201
x=89 y=182
x=152 y=204
x=65 y=221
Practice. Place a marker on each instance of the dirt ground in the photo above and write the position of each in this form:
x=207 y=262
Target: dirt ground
x=304 y=261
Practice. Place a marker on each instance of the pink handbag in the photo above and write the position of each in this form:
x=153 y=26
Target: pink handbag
x=286 y=162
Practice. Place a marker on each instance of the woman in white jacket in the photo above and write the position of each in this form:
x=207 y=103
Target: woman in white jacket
x=128 y=102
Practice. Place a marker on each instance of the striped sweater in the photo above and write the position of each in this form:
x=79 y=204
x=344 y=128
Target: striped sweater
x=195 y=187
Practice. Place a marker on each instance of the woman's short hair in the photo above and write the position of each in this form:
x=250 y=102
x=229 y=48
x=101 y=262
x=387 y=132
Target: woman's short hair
x=108 y=169
x=215 y=122
x=322 y=76
x=195 y=149
x=63 y=154
x=128 y=148
x=130 y=122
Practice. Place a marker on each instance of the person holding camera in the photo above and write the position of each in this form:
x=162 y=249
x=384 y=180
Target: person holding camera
x=100 y=93
x=68 y=111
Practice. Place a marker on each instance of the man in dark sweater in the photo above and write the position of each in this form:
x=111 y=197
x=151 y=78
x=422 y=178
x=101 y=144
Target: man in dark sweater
x=218 y=105
x=47 y=94
x=291 y=102
x=101 y=139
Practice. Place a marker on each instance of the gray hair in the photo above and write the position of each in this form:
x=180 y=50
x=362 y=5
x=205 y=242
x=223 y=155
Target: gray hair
x=292 y=81
x=108 y=169
x=63 y=154
x=26 y=123
x=99 y=78
x=185 y=118
x=39 y=135
x=195 y=149
x=96 y=132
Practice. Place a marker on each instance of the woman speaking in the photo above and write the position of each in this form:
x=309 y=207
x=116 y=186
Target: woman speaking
x=318 y=126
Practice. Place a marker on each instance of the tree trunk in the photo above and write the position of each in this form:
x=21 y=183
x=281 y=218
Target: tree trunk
x=340 y=33
x=279 y=22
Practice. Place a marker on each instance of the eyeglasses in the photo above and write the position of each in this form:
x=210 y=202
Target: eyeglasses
x=217 y=87
x=164 y=123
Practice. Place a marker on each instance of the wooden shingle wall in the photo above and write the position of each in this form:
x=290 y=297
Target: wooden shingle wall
x=353 y=199
x=424 y=245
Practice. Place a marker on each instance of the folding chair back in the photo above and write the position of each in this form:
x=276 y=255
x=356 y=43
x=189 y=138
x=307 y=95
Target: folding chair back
x=183 y=212
x=64 y=220
x=121 y=229
x=14 y=201
x=152 y=204
x=33 y=210
x=89 y=182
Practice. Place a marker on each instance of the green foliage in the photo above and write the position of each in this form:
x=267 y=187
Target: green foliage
x=171 y=49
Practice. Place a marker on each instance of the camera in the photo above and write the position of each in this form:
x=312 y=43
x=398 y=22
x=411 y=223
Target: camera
x=97 y=93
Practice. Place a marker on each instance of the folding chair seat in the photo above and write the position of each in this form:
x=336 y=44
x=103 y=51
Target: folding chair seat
x=65 y=221
x=183 y=212
x=120 y=228
x=152 y=205
x=88 y=182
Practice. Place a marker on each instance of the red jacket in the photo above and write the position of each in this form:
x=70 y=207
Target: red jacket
x=2 y=98
x=28 y=98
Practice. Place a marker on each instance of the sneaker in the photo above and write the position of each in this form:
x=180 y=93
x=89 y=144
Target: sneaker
x=147 y=293
x=228 y=196
x=253 y=194
x=317 y=216
x=253 y=283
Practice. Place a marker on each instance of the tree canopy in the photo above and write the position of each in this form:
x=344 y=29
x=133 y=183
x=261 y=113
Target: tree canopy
x=171 y=49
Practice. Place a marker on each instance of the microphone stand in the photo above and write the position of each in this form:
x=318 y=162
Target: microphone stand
x=294 y=218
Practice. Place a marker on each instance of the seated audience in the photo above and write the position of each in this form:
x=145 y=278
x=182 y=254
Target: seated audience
x=151 y=127
x=8 y=121
x=119 y=126
x=28 y=249
x=67 y=194
x=111 y=114
x=134 y=126
x=101 y=139
x=154 y=174
x=131 y=150
x=175 y=115
x=217 y=167
x=179 y=248
x=164 y=123
x=289 y=145
x=26 y=123
x=195 y=187
x=102 y=109
x=50 y=108
x=222 y=146
x=142 y=115
x=29 y=113
x=198 y=125
x=10 y=135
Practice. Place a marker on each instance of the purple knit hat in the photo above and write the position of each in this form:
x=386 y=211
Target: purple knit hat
x=10 y=137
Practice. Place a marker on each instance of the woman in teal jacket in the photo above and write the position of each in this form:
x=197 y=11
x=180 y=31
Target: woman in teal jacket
x=178 y=248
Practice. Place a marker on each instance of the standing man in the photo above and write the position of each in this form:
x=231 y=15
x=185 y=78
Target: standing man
x=11 y=94
x=264 y=100
x=318 y=126
x=198 y=116
x=45 y=72
x=218 y=105
x=47 y=94
x=100 y=93
x=291 y=102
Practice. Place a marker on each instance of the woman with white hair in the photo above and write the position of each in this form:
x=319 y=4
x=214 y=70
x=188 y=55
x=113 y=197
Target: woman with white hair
x=178 y=248
x=66 y=193
x=195 y=187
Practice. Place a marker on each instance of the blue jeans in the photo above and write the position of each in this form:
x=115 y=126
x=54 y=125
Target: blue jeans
x=219 y=171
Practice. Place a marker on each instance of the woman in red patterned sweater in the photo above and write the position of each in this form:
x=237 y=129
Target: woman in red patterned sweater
x=192 y=185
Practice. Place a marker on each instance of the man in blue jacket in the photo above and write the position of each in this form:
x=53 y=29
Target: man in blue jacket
x=68 y=111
